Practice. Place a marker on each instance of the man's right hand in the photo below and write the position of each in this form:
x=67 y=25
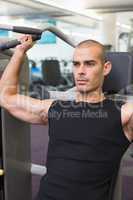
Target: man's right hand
x=26 y=44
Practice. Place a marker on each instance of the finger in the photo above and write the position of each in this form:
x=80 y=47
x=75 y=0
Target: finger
x=26 y=42
x=24 y=38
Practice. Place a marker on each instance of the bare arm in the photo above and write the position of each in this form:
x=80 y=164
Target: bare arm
x=127 y=119
x=20 y=106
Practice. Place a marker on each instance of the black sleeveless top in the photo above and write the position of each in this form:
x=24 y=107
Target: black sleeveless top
x=85 y=149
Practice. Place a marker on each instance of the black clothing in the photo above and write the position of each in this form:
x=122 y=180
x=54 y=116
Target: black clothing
x=85 y=149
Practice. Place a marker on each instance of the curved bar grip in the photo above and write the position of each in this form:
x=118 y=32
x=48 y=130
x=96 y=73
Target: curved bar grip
x=14 y=43
x=60 y=34
x=28 y=30
x=21 y=29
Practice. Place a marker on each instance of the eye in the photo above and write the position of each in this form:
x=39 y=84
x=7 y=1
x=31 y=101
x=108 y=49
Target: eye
x=90 y=63
x=76 y=64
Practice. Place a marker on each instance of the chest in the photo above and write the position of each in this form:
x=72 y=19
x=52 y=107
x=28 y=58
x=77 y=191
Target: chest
x=85 y=126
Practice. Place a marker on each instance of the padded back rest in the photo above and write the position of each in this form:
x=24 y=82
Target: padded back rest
x=121 y=75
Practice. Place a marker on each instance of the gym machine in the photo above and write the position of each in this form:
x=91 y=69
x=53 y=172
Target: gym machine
x=17 y=167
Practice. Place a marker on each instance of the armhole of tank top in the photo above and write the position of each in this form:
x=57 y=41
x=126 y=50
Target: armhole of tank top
x=51 y=106
x=126 y=139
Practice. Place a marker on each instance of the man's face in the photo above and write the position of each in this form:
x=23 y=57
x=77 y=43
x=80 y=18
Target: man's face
x=88 y=69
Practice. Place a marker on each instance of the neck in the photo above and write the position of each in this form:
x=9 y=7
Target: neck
x=93 y=96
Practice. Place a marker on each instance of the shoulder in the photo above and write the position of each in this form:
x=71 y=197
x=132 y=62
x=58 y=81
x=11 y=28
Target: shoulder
x=125 y=107
x=127 y=119
x=126 y=112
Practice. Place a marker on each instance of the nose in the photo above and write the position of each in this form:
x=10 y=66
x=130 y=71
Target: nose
x=81 y=70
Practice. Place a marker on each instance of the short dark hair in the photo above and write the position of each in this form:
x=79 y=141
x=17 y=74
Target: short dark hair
x=89 y=43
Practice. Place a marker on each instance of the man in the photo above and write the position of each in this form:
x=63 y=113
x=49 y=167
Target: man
x=88 y=135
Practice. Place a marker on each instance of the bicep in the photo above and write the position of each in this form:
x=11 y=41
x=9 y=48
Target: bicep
x=28 y=109
x=27 y=116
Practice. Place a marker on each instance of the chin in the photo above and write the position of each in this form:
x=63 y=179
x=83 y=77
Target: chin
x=82 y=89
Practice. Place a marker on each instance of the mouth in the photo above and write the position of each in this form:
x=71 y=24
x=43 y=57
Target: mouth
x=81 y=82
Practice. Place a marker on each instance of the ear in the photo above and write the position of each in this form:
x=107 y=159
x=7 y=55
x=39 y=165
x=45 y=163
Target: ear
x=107 y=68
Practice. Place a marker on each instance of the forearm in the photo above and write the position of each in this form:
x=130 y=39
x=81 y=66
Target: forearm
x=10 y=75
x=10 y=78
